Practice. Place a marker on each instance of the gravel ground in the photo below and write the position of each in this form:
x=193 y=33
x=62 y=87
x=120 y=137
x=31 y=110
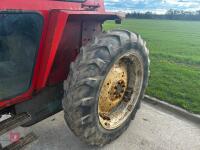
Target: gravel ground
x=153 y=129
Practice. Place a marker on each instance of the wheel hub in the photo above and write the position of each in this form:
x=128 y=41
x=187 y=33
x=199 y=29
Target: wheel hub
x=117 y=90
x=113 y=89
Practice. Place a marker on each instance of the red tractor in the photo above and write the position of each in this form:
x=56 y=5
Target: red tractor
x=54 y=55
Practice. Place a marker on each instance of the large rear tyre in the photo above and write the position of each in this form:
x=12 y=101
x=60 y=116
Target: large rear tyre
x=105 y=86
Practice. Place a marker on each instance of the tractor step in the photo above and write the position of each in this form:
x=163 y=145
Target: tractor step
x=14 y=122
x=22 y=142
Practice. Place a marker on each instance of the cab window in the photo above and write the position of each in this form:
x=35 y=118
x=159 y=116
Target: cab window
x=19 y=40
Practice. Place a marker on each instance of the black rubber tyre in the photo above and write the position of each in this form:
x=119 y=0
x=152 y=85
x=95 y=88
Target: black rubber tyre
x=84 y=82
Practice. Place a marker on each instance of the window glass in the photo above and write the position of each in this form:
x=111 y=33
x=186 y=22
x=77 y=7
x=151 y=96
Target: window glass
x=19 y=40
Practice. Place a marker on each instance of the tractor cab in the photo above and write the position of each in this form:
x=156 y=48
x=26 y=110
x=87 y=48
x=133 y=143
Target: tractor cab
x=26 y=34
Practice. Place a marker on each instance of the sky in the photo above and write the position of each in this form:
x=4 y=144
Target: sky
x=156 y=6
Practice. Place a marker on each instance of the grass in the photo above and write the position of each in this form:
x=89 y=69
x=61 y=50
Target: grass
x=175 y=59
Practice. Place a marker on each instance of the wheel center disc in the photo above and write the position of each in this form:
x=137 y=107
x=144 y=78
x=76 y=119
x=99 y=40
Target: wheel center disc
x=113 y=89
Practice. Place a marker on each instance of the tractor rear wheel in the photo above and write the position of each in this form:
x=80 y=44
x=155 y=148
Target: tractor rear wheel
x=105 y=86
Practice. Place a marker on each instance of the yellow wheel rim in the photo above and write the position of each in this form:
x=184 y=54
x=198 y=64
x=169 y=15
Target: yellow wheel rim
x=117 y=96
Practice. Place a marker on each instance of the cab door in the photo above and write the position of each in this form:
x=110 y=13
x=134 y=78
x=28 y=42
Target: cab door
x=19 y=41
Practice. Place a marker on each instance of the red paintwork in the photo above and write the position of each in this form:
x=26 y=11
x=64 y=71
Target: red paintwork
x=55 y=49
x=57 y=23
x=66 y=52
x=48 y=5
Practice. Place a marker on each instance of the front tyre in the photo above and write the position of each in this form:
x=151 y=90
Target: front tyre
x=105 y=86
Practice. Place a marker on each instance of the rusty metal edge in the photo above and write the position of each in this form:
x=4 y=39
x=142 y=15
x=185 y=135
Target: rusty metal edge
x=174 y=109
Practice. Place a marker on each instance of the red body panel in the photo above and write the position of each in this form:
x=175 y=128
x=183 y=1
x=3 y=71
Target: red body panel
x=61 y=38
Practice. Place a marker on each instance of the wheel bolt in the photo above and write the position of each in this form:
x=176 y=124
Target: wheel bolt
x=107 y=124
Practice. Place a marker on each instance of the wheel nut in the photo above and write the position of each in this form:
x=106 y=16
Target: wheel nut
x=107 y=124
